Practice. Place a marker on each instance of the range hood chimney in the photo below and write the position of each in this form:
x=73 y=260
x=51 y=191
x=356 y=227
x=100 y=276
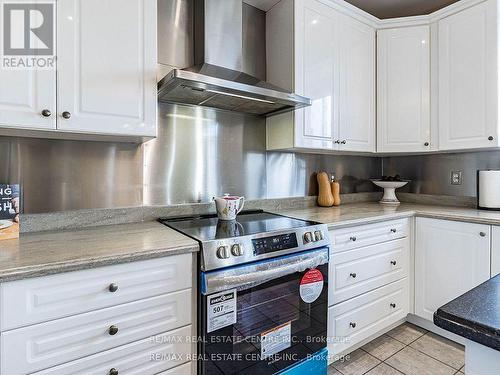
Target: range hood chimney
x=216 y=80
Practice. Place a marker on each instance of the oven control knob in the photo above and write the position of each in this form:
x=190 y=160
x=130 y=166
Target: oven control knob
x=222 y=252
x=308 y=237
x=237 y=250
x=318 y=235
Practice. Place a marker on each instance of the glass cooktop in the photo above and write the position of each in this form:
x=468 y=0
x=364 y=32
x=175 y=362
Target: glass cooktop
x=209 y=227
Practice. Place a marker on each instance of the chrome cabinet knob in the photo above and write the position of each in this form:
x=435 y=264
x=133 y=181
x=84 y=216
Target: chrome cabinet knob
x=113 y=287
x=113 y=371
x=343 y=142
x=393 y=305
x=113 y=330
x=353 y=275
x=66 y=115
x=482 y=234
x=222 y=252
x=46 y=113
x=352 y=324
x=237 y=250
x=393 y=262
x=490 y=138
x=426 y=144
x=337 y=141
x=353 y=238
x=308 y=237
x=393 y=230
x=318 y=235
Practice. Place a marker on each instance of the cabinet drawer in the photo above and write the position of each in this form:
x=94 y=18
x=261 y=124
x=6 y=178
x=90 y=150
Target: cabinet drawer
x=370 y=234
x=46 y=298
x=360 y=270
x=145 y=357
x=358 y=318
x=41 y=346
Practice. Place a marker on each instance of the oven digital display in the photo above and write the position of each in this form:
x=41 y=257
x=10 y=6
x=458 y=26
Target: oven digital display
x=275 y=243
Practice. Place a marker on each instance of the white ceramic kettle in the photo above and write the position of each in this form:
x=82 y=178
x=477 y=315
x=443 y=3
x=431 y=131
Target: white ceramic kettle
x=228 y=206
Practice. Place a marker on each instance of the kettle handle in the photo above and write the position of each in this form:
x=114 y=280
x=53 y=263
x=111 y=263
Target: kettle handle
x=242 y=203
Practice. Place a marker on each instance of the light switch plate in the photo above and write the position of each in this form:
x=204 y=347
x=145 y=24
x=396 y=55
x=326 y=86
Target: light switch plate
x=456 y=178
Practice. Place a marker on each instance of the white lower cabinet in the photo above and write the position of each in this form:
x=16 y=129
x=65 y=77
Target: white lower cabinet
x=451 y=258
x=369 y=274
x=360 y=270
x=145 y=357
x=352 y=321
x=136 y=318
x=495 y=251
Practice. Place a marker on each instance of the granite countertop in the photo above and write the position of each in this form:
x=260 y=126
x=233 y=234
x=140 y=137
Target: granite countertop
x=474 y=315
x=44 y=253
x=363 y=213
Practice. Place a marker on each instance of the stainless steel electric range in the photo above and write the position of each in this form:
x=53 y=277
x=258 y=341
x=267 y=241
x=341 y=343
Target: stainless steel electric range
x=263 y=293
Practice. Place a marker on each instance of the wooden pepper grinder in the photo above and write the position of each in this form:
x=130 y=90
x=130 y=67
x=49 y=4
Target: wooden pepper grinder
x=325 y=196
x=335 y=187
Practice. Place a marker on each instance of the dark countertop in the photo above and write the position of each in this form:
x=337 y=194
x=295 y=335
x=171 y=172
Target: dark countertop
x=474 y=315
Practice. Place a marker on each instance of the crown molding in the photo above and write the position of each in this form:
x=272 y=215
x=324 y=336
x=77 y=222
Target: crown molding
x=378 y=23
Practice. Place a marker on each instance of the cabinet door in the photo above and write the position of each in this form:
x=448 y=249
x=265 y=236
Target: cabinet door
x=106 y=66
x=24 y=95
x=468 y=78
x=357 y=85
x=315 y=74
x=403 y=64
x=451 y=258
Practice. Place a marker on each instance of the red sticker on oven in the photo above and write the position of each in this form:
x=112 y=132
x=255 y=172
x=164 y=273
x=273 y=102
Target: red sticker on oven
x=311 y=286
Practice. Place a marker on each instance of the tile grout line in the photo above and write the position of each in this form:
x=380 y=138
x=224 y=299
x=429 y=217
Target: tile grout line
x=428 y=355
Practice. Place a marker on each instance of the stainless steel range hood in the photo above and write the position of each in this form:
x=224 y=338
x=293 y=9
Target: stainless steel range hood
x=216 y=80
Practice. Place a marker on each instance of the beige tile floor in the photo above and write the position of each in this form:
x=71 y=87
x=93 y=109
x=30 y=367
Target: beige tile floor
x=408 y=350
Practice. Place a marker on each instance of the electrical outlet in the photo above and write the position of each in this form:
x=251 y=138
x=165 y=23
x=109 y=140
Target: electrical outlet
x=456 y=178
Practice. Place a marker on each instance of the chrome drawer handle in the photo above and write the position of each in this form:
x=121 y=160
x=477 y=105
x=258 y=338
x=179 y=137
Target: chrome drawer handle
x=353 y=275
x=393 y=230
x=353 y=238
x=113 y=287
x=393 y=305
x=352 y=324
x=113 y=330
x=393 y=262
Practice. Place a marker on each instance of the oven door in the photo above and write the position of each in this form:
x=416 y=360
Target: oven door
x=263 y=317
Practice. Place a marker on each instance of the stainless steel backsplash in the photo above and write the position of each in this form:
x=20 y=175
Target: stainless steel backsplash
x=431 y=174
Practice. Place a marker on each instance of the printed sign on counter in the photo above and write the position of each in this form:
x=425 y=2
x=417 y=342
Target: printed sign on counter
x=221 y=310
x=9 y=211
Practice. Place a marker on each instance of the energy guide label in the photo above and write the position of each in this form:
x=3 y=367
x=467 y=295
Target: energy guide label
x=221 y=310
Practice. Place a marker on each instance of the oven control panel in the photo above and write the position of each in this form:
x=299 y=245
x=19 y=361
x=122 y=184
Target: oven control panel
x=274 y=243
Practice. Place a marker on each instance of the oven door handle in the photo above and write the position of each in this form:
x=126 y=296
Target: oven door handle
x=249 y=276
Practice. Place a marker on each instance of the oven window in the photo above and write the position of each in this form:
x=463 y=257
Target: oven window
x=264 y=309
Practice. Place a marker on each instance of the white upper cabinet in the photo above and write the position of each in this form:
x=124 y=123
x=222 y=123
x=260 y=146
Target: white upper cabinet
x=106 y=67
x=403 y=97
x=451 y=258
x=316 y=71
x=28 y=99
x=356 y=122
x=331 y=60
x=104 y=82
x=468 y=78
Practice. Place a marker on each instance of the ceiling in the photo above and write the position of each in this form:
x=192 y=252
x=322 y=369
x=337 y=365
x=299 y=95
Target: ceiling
x=400 y=8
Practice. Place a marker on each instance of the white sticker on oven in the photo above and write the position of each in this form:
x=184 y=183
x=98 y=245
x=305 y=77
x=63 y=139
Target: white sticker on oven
x=311 y=286
x=275 y=340
x=221 y=310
